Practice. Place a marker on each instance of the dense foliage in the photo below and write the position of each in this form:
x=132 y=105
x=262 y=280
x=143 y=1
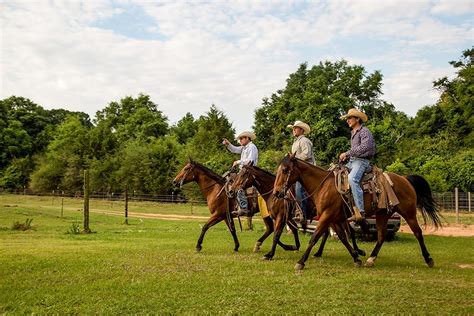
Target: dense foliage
x=129 y=144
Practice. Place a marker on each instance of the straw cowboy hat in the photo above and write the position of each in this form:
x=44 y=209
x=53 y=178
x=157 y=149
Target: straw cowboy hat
x=355 y=113
x=248 y=134
x=301 y=125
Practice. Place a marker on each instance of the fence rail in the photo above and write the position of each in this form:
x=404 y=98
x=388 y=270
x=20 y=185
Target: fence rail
x=445 y=200
x=113 y=196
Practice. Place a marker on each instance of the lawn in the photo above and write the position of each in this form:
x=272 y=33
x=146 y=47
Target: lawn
x=150 y=266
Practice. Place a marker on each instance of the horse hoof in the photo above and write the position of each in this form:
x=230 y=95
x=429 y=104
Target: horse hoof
x=317 y=255
x=430 y=263
x=257 y=247
x=266 y=258
x=361 y=252
x=299 y=266
x=370 y=262
x=358 y=264
x=198 y=249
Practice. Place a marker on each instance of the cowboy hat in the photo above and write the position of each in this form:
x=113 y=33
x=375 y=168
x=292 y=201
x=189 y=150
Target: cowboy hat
x=248 y=134
x=305 y=127
x=355 y=113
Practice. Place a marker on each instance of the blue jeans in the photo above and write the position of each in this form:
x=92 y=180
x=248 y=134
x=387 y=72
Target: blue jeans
x=242 y=199
x=301 y=198
x=357 y=167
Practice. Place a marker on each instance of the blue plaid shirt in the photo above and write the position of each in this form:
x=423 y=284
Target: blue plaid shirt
x=362 y=144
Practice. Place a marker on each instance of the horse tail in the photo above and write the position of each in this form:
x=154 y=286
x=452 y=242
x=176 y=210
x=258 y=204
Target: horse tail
x=425 y=200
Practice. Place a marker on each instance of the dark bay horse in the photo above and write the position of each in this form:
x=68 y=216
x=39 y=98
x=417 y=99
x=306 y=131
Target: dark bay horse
x=412 y=191
x=279 y=209
x=212 y=187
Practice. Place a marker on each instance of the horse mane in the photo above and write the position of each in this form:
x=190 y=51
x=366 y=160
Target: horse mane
x=268 y=173
x=288 y=159
x=311 y=165
x=209 y=172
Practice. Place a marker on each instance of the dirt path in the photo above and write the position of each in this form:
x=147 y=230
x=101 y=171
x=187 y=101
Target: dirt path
x=454 y=230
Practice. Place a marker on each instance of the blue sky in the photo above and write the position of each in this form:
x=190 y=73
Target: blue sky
x=81 y=55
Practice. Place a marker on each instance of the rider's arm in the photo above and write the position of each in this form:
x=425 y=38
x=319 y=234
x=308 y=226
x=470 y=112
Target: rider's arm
x=234 y=149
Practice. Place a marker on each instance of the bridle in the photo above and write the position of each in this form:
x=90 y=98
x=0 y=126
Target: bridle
x=181 y=183
x=255 y=180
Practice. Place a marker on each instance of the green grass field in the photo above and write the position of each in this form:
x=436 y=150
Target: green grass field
x=150 y=266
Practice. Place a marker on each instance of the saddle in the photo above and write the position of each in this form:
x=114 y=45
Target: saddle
x=374 y=182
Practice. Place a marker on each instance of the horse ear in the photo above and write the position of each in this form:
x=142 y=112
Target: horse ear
x=190 y=159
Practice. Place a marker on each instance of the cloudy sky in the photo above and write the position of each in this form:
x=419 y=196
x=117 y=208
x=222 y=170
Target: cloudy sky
x=81 y=55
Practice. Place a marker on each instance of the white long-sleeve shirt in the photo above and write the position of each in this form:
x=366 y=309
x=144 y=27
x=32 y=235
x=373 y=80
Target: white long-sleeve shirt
x=248 y=153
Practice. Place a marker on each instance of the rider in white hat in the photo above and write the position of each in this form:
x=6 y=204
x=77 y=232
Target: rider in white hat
x=248 y=154
x=303 y=149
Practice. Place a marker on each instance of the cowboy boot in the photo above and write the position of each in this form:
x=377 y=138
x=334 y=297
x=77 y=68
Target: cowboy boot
x=357 y=217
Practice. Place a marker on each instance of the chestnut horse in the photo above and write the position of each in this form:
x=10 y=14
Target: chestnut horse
x=412 y=191
x=212 y=187
x=279 y=209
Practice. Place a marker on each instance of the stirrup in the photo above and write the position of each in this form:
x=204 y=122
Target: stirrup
x=357 y=219
x=241 y=212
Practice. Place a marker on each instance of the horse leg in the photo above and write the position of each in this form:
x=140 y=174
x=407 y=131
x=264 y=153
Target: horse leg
x=213 y=220
x=353 y=239
x=294 y=231
x=342 y=234
x=269 y=228
x=415 y=228
x=322 y=227
x=279 y=225
x=381 y=219
x=231 y=226
x=319 y=253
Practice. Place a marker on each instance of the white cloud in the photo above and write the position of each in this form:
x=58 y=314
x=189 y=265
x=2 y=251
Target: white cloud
x=231 y=54
x=410 y=86
x=450 y=7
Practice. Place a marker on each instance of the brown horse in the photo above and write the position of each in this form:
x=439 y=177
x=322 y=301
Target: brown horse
x=412 y=191
x=212 y=187
x=279 y=208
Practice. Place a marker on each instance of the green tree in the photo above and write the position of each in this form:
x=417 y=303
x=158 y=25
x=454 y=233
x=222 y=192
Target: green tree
x=206 y=145
x=319 y=96
x=133 y=118
x=66 y=157
x=185 y=129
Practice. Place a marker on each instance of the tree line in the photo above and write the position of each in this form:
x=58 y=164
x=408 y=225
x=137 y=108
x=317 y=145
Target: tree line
x=130 y=143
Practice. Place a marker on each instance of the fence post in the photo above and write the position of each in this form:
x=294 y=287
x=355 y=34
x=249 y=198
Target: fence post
x=86 y=201
x=126 y=206
x=62 y=206
x=469 y=201
x=456 y=203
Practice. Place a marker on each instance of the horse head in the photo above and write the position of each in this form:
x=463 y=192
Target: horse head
x=185 y=175
x=242 y=180
x=287 y=174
